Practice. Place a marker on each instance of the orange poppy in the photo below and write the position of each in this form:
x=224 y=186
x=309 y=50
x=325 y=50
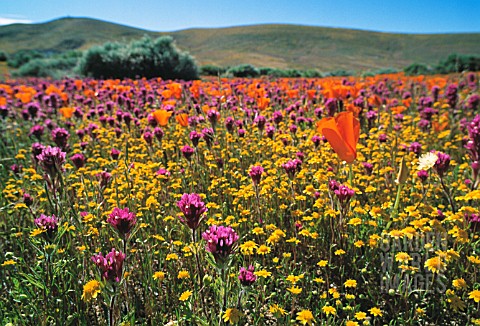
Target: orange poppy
x=206 y=108
x=311 y=93
x=398 y=109
x=67 y=112
x=78 y=84
x=342 y=133
x=263 y=102
x=407 y=102
x=24 y=97
x=162 y=116
x=441 y=124
x=167 y=94
x=182 y=119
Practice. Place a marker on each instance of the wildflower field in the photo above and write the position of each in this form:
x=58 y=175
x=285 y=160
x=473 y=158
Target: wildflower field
x=334 y=201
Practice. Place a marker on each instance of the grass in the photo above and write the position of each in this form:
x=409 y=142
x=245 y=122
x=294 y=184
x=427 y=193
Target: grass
x=276 y=46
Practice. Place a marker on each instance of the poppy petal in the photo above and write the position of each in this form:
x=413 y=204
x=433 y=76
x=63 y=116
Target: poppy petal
x=343 y=150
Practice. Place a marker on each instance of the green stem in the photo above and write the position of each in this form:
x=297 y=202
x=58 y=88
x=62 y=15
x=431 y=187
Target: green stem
x=350 y=174
x=111 y=317
x=397 y=200
x=199 y=271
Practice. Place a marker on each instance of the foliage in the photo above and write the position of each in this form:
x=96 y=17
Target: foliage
x=245 y=70
x=142 y=58
x=3 y=56
x=212 y=70
x=47 y=67
x=22 y=57
x=417 y=69
x=458 y=63
x=340 y=73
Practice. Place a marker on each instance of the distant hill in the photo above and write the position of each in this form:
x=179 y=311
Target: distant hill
x=276 y=46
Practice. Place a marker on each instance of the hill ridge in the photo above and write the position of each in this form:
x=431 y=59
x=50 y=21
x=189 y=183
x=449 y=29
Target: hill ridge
x=275 y=45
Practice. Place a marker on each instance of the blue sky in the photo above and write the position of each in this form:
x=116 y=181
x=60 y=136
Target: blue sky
x=411 y=16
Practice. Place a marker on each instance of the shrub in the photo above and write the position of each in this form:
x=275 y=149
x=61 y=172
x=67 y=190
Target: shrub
x=245 y=70
x=458 y=63
x=340 y=73
x=311 y=73
x=3 y=56
x=51 y=67
x=22 y=57
x=212 y=70
x=417 y=69
x=142 y=58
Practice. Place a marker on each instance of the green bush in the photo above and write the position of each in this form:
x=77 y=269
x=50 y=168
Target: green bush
x=458 y=63
x=143 y=58
x=417 y=69
x=50 y=67
x=212 y=70
x=311 y=73
x=3 y=56
x=340 y=73
x=245 y=70
x=22 y=57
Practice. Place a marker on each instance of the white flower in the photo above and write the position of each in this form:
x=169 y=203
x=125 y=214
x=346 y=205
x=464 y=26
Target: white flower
x=427 y=161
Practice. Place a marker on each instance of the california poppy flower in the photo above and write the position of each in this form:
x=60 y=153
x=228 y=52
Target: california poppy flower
x=342 y=133
x=441 y=124
x=263 y=102
x=182 y=119
x=67 y=112
x=162 y=116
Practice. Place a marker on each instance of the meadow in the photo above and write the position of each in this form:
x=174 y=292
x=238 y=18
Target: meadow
x=261 y=201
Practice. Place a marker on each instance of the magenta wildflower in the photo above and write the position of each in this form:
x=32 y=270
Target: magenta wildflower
x=229 y=124
x=422 y=175
x=51 y=159
x=27 y=199
x=213 y=116
x=195 y=137
x=208 y=134
x=123 y=221
x=103 y=178
x=442 y=163
x=316 y=140
x=416 y=148
x=193 y=209
x=277 y=117
x=60 y=137
x=3 y=112
x=368 y=167
x=255 y=173
x=187 y=152
x=163 y=172
x=48 y=223
x=78 y=160
x=292 y=167
x=221 y=241
x=344 y=194
x=115 y=153
x=111 y=265
x=159 y=133
x=16 y=168
x=37 y=131
x=270 y=131
x=260 y=121
x=148 y=137
x=246 y=276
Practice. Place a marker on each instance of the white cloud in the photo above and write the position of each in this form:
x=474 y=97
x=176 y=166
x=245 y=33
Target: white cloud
x=8 y=21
